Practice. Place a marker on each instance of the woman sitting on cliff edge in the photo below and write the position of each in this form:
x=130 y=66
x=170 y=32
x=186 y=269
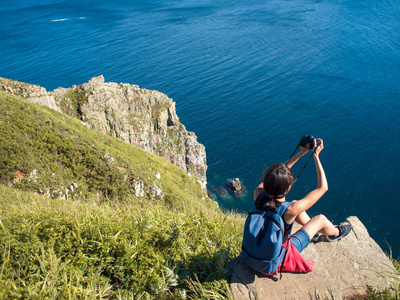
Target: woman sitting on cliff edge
x=271 y=195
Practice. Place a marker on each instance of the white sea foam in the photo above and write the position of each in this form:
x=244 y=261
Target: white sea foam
x=62 y=20
x=59 y=20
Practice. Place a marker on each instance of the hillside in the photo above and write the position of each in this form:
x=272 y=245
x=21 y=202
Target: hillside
x=141 y=117
x=85 y=215
x=55 y=155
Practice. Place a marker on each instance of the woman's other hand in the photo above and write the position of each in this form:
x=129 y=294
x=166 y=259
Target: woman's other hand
x=318 y=145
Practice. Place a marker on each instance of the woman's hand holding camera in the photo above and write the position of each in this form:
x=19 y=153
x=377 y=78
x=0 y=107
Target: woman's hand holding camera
x=318 y=146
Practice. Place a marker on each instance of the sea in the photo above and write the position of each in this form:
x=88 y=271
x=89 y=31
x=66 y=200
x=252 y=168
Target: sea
x=250 y=78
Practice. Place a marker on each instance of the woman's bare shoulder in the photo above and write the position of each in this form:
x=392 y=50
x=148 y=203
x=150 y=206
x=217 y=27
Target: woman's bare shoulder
x=290 y=210
x=257 y=192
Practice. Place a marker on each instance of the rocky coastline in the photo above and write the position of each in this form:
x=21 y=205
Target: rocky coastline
x=144 y=118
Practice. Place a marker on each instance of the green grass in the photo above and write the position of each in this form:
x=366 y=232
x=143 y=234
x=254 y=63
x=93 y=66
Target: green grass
x=72 y=103
x=73 y=225
x=392 y=293
x=63 y=249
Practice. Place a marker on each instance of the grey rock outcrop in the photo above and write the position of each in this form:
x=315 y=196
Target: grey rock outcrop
x=34 y=93
x=342 y=270
x=141 y=117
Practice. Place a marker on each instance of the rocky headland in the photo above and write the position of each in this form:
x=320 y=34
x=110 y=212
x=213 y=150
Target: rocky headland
x=141 y=117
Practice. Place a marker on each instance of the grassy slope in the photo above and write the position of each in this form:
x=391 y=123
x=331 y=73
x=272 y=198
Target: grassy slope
x=63 y=152
x=103 y=241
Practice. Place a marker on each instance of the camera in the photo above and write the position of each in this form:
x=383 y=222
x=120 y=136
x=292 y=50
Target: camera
x=307 y=141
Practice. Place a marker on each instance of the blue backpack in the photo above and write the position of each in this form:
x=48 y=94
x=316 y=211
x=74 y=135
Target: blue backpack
x=262 y=247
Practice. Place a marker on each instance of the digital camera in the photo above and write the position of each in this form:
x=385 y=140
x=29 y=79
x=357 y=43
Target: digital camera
x=307 y=141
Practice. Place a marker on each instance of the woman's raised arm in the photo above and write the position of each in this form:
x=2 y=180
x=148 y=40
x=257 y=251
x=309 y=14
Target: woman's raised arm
x=294 y=159
x=297 y=207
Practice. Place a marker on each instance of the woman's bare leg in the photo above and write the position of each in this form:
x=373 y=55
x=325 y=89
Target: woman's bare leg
x=322 y=224
x=302 y=218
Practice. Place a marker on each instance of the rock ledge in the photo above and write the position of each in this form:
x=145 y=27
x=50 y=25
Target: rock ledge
x=342 y=270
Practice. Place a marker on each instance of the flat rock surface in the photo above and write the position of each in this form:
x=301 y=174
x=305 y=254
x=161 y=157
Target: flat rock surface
x=342 y=270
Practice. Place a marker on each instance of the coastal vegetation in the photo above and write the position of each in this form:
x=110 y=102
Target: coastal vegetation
x=65 y=249
x=72 y=102
x=86 y=216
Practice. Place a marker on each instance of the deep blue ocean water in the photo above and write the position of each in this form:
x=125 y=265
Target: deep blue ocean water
x=250 y=78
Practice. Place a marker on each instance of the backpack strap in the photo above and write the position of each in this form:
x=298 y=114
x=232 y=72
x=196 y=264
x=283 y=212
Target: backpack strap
x=282 y=208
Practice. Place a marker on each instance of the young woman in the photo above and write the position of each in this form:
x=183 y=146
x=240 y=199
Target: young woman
x=271 y=193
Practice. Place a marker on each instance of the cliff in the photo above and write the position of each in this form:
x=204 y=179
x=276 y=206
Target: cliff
x=144 y=118
x=343 y=269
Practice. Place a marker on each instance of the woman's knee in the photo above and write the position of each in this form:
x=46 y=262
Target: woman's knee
x=325 y=226
x=320 y=219
x=315 y=224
